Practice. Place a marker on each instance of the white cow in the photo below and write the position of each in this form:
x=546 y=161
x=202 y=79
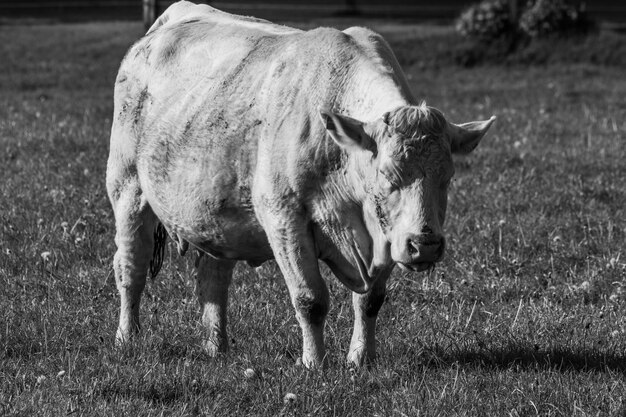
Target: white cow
x=251 y=141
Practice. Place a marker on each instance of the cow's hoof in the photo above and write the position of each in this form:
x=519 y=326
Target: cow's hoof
x=214 y=348
x=359 y=357
x=121 y=338
x=356 y=358
x=311 y=362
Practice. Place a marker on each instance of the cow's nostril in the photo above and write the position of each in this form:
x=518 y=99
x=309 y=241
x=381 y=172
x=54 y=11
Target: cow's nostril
x=412 y=247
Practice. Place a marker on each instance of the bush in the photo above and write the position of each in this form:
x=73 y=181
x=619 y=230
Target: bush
x=488 y=20
x=547 y=17
x=491 y=20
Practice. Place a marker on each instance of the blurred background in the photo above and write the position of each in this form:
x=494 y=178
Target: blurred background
x=76 y=10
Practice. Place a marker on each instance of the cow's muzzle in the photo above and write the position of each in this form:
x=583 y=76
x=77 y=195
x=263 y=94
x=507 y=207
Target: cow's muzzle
x=422 y=251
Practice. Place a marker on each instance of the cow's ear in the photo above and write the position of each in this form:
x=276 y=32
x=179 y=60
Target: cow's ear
x=465 y=137
x=347 y=132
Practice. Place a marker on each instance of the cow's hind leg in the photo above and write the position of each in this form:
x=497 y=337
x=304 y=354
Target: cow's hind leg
x=366 y=307
x=213 y=278
x=135 y=225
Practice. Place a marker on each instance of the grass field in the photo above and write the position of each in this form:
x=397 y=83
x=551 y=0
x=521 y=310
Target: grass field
x=526 y=316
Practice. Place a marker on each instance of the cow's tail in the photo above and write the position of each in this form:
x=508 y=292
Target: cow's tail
x=160 y=236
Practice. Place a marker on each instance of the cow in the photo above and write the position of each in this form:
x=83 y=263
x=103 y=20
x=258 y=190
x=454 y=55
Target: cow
x=250 y=141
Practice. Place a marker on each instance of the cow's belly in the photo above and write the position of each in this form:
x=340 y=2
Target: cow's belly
x=234 y=235
x=229 y=233
x=202 y=196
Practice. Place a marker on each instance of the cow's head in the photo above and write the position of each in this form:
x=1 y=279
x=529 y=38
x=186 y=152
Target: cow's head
x=401 y=166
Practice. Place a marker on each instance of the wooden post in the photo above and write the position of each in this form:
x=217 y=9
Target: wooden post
x=150 y=13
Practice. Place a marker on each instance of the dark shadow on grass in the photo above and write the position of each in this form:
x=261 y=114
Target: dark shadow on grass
x=528 y=358
x=21 y=349
x=160 y=392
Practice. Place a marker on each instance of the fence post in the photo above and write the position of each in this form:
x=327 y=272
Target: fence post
x=149 y=13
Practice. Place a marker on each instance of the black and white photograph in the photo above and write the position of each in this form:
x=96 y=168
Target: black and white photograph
x=312 y=208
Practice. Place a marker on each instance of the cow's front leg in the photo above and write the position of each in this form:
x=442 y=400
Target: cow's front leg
x=309 y=296
x=212 y=282
x=311 y=302
x=294 y=250
x=366 y=307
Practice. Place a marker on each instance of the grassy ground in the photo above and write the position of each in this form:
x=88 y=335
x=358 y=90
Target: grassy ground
x=526 y=315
